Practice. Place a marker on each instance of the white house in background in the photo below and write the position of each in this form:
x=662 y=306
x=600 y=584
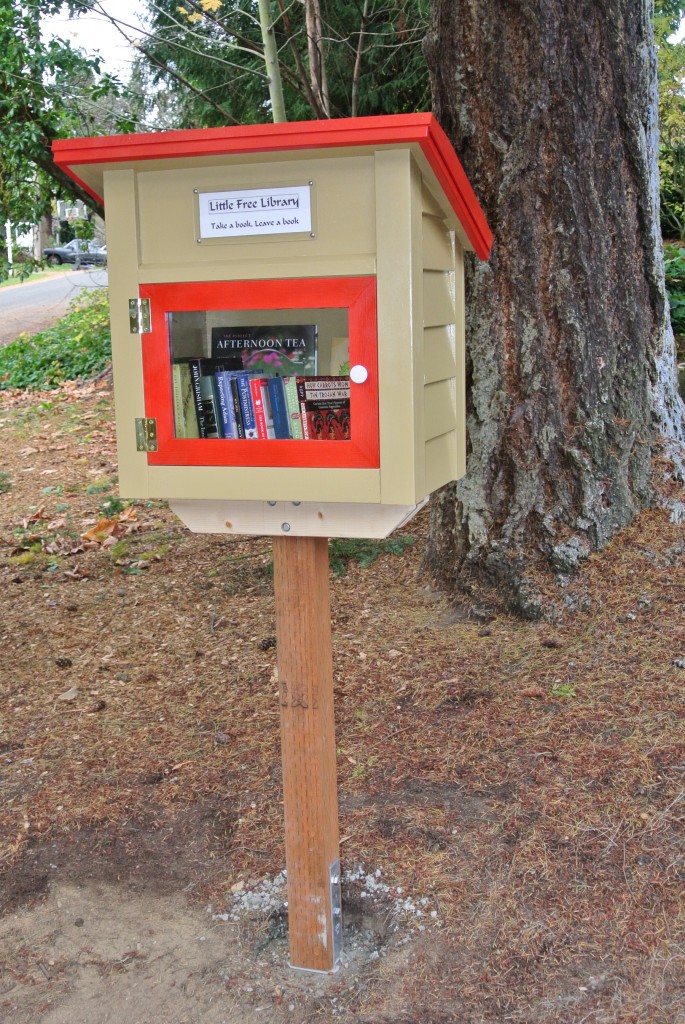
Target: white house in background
x=48 y=229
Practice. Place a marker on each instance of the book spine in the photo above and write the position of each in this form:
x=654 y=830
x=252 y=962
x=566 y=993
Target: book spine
x=235 y=396
x=177 y=393
x=195 y=377
x=210 y=406
x=279 y=408
x=293 y=407
x=226 y=412
x=246 y=408
x=258 y=406
x=268 y=411
x=300 y=384
x=188 y=400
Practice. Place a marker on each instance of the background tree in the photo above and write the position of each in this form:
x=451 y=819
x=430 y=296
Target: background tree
x=552 y=108
x=47 y=90
x=671 y=68
x=337 y=58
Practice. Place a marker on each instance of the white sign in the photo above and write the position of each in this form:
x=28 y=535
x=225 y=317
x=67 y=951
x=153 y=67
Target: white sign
x=255 y=211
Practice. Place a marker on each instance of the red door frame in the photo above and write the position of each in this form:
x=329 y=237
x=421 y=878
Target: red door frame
x=356 y=294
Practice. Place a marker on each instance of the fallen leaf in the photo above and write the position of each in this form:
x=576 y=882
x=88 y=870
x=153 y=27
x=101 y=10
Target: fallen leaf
x=102 y=530
x=76 y=574
x=37 y=517
x=70 y=694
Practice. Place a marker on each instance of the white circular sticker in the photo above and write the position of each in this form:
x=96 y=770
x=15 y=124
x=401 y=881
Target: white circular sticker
x=358 y=374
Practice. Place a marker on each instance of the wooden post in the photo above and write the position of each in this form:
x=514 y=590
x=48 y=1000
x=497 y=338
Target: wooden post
x=305 y=673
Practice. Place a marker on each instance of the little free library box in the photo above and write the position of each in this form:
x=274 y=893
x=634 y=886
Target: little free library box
x=288 y=340
x=287 y=312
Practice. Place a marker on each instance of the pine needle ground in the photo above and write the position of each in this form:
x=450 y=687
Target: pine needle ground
x=526 y=779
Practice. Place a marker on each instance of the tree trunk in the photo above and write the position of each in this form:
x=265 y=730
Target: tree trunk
x=571 y=365
x=41 y=235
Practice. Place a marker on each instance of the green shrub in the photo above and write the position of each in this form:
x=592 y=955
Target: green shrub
x=342 y=551
x=77 y=346
x=674 y=261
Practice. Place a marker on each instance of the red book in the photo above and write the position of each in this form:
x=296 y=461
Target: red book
x=258 y=403
x=325 y=408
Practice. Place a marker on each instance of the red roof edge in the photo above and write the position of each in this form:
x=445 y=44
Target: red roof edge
x=457 y=187
x=382 y=130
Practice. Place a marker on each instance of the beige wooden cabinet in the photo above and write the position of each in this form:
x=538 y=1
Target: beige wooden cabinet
x=245 y=261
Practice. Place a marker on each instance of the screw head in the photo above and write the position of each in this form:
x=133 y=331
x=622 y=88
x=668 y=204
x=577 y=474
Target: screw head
x=285 y=527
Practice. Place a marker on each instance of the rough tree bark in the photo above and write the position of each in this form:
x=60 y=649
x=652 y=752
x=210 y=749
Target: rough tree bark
x=551 y=107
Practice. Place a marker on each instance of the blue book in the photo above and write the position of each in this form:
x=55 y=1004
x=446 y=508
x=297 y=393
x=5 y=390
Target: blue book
x=246 y=407
x=226 y=410
x=279 y=409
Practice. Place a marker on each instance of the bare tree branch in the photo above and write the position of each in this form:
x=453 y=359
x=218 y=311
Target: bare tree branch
x=301 y=70
x=317 y=62
x=184 y=81
x=358 y=58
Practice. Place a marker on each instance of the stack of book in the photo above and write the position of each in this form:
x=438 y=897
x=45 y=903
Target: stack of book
x=211 y=401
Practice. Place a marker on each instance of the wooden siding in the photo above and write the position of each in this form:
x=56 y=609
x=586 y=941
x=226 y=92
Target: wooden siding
x=440 y=391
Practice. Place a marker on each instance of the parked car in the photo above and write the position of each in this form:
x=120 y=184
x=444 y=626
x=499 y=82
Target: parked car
x=76 y=249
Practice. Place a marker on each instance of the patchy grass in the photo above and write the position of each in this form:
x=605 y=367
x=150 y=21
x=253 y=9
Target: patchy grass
x=525 y=778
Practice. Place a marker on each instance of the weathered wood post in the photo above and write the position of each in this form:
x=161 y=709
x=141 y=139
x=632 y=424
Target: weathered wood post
x=305 y=675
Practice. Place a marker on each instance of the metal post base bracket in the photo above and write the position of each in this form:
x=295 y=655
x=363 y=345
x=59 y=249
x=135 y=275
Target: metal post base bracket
x=336 y=923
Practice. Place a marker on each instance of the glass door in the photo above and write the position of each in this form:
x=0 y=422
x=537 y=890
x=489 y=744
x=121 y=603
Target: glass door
x=264 y=373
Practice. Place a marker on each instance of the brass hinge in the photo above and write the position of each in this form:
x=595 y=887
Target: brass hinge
x=139 y=316
x=146 y=435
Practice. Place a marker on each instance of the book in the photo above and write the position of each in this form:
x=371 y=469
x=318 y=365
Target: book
x=237 y=412
x=210 y=407
x=246 y=406
x=226 y=408
x=268 y=411
x=267 y=351
x=324 y=408
x=185 y=416
x=293 y=405
x=279 y=408
x=257 y=395
x=195 y=370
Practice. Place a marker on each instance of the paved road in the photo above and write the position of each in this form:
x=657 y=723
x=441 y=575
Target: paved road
x=36 y=305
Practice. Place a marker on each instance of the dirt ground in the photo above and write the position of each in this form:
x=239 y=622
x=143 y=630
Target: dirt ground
x=511 y=793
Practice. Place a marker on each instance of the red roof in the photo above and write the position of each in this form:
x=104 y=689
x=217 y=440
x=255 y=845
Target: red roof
x=421 y=130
